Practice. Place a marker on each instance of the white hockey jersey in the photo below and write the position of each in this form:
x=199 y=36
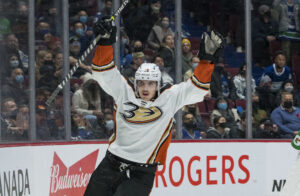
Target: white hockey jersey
x=143 y=129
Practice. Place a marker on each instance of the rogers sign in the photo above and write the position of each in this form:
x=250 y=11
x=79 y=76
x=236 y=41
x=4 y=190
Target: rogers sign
x=71 y=181
x=204 y=166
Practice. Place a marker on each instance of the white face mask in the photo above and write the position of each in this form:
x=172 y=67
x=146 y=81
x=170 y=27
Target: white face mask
x=14 y=63
x=109 y=125
x=289 y=88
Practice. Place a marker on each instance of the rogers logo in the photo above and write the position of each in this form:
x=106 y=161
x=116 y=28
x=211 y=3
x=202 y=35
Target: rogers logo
x=204 y=168
x=71 y=181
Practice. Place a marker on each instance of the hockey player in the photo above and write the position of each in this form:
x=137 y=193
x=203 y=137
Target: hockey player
x=143 y=115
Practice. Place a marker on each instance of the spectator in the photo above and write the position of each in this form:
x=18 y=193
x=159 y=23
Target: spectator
x=199 y=124
x=158 y=32
x=87 y=102
x=220 y=130
x=166 y=51
x=13 y=130
x=193 y=64
x=222 y=108
x=257 y=112
x=19 y=24
x=189 y=130
x=109 y=124
x=137 y=46
x=222 y=83
x=166 y=78
x=42 y=57
x=107 y=10
x=15 y=87
x=75 y=47
x=83 y=37
x=265 y=31
x=141 y=20
x=289 y=25
x=278 y=72
x=287 y=117
x=47 y=74
x=11 y=48
x=80 y=128
x=288 y=86
x=43 y=28
x=186 y=55
x=267 y=129
x=42 y=129
x=240 y=83
x=57 y=128
x=266 y=96
x=137 y=59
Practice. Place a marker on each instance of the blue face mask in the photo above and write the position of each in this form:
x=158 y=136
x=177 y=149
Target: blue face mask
x=83 y=19
x=195 y=65
x=222 y=106
x=80 y=32
x=44 y=31
x=20 y=79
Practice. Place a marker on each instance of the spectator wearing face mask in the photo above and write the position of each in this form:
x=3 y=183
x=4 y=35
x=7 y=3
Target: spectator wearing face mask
x=158 y=32
x=220 y=129
x=287 y=116
x=78 y=31
x=222 y=108
x=136 y=46
x=11 y=48
x=189 y=129
x=192 y=64
x=15 y=87
x=47 y=71
x=288 y=86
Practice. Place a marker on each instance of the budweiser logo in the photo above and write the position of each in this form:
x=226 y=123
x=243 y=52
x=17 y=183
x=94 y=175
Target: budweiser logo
x=71 y=181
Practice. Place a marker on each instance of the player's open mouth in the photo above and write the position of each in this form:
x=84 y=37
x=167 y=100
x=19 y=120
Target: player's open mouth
x=145 y=94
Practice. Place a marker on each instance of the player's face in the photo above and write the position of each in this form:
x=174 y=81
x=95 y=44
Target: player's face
x=146 y=89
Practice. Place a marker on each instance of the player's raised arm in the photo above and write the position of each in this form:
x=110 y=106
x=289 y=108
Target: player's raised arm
x=197 y=86
x=104 y=69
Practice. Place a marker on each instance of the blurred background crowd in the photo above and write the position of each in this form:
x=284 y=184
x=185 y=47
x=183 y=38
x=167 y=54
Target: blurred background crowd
x=147 y=35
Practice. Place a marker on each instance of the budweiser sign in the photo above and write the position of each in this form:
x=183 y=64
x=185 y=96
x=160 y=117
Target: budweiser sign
x=73 y=180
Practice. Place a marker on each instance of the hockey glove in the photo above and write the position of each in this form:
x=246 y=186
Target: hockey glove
x=107 y=29
x=211 y=47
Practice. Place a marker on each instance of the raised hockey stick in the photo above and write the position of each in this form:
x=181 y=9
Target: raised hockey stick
x=82 y=58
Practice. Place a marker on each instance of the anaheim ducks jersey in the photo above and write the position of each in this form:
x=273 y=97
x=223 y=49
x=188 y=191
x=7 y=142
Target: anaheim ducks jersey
x=143 y=129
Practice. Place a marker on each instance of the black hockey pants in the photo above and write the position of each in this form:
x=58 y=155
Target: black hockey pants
x=119 y=177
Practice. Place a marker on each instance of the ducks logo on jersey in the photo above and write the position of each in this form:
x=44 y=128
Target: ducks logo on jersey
x=140 y=115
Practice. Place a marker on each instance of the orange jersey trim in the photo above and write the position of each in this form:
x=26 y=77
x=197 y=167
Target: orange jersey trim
x=160 y=152
x=203 y=72
x=103 y=55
